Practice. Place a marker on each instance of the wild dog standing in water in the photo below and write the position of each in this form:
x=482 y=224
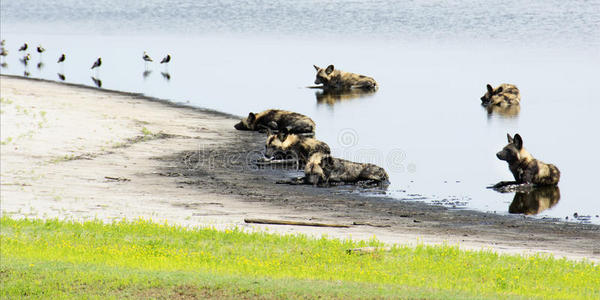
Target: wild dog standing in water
x=340 y=80
x=275 y=119
x=524 y=167
x=300 y=147
x=504 y=95
x=323 y=169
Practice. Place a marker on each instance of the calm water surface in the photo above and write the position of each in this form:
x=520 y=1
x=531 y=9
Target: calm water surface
x=432 y=60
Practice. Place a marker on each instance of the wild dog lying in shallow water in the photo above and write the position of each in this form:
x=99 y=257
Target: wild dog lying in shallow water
x=275 y=119
x=503 y=96
x=293 y=145
x=340 y=80
x=524 y=167
x=324 y=169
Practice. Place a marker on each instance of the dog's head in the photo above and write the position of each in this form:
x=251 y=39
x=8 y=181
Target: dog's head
x=490 y=93
x=246 y=123
x=323 y=75
x=512 y=151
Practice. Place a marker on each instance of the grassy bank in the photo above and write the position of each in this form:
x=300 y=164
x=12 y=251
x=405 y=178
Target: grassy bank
x=144 y=260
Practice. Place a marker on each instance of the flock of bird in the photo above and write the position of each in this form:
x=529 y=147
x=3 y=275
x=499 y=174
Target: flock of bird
x=61 y=59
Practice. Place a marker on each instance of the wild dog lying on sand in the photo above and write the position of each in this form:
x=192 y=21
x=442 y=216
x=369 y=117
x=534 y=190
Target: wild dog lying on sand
x=297 y=146
x=535 y=200
x=504 y=95
x=324 y=169
x=275 y=119
x=524 y=167
x=340 y=80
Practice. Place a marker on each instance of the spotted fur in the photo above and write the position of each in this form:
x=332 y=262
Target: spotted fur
x=275 y=119
x=323 y=169
x=293 y=145
x=504 y=95
x=524 y=167
x=334 y=79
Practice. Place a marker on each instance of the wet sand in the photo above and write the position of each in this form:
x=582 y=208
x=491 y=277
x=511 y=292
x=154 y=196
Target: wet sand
x=81 y=153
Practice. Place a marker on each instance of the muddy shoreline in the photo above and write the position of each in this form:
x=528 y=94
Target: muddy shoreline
x=194 y=169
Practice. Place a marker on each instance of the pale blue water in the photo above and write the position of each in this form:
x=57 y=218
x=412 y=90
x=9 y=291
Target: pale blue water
x=432 y=60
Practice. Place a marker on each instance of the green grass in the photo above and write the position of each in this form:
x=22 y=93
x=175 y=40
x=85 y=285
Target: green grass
x=141 y=259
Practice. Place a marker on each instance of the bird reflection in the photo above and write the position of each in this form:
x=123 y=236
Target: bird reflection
x=509 y=111
x=62 y=76
x=40 y=65
x=146 y=74
x=535 y=200
x=26 y=73
x=331 y=97
x=166 y=75
x=97 y=81
x=4 y=65
x=25 y=59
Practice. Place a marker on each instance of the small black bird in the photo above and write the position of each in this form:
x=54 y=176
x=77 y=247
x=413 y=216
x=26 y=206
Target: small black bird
x=40 y=49
x=146 y=57
x=61 y=58
x=40 y=65
x=61 y=76
x=3 y=52
x=23 y=48
x=166 y=59
x=97 y=63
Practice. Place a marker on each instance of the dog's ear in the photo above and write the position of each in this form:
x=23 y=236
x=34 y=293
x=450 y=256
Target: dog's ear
x=251 y=118
x=510 y=139
x=499 y=90
x=490 y=89
x=329 y=69
x=316 y=68
x=518 y=141
x=327 y=160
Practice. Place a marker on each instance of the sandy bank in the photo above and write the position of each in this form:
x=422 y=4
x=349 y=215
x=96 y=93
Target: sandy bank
x=80 y=153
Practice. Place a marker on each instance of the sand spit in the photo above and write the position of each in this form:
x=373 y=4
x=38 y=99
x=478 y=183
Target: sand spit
x=80 y=153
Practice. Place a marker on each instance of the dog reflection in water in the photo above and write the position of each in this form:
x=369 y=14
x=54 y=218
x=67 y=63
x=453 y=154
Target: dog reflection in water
x=534 y=201
x=331 y=97
x=507 y=112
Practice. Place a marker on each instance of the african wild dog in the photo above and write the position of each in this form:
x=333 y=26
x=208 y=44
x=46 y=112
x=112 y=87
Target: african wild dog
x=504 y=95
x=524 y=167
x=276 y=120
x=534 y=201
x=340 y=80
x=297 y=146
x=324 y=169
